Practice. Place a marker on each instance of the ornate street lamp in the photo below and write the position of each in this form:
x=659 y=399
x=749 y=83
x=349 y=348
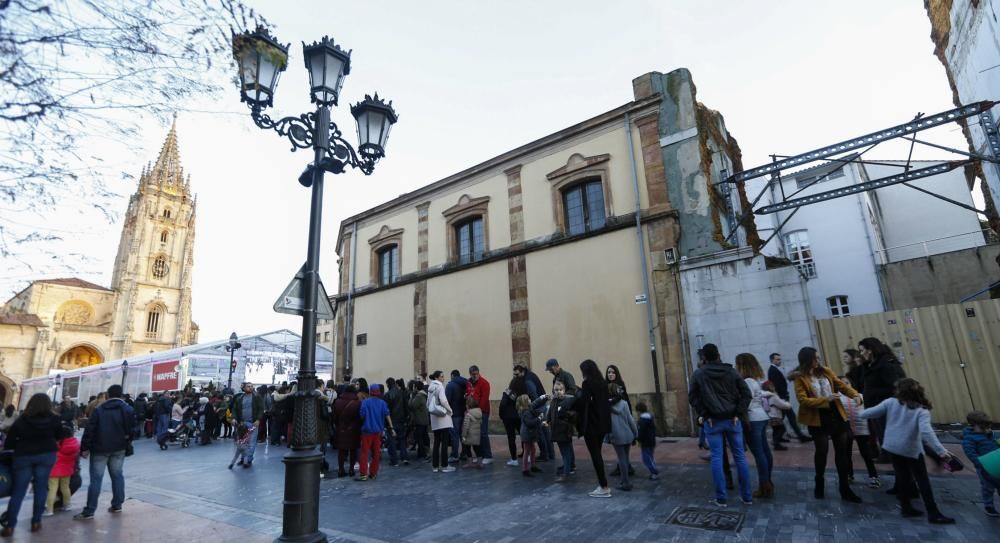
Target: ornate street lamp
x=261 y=59
x=231 y=348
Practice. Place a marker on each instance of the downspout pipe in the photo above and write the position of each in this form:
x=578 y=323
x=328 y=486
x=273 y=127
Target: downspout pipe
x=349 y=329
x=642 y=264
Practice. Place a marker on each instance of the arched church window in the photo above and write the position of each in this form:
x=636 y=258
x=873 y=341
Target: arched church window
x=163 y=236
x=160 y=267
x=154 y=320
x=166 y=213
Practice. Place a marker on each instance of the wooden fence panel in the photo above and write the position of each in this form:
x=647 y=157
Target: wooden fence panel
x=953 y=350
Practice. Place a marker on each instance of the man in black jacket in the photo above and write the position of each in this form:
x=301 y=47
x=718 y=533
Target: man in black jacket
x=780 y=382
x=395 y=396
x=108 y=435
x=720 y=397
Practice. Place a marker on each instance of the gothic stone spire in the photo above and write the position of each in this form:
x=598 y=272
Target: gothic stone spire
x=167 y=173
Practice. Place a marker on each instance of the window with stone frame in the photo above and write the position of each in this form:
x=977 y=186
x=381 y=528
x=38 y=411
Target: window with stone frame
x=388 y=265
x=166 y=213
x=838 y=306
x=583 y=204
x=468 y=229
x=581 y=197
x=799 y=251
x=471 y=240
x=160 y=267
x=386 y=249
x=154 y=321
x=164 y=236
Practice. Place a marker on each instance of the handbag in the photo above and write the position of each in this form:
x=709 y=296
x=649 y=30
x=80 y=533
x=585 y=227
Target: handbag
x=436 y=408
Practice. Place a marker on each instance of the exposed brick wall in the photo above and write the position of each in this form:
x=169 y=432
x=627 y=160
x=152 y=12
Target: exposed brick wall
x=420 y=294
x=517 y=274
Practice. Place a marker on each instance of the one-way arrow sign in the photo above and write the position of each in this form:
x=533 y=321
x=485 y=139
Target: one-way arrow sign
x=293 y=300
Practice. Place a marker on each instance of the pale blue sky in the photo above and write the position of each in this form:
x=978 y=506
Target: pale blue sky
x=471 y=80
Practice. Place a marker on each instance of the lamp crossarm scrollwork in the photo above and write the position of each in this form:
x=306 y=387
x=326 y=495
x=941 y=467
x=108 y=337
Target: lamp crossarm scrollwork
x=300 y=133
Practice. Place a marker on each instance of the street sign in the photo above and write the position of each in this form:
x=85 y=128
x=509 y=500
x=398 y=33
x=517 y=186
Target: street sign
x=640 y=299
x=292 y=299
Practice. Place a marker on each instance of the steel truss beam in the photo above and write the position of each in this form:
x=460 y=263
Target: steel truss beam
x=905 y=129
x=904 y=177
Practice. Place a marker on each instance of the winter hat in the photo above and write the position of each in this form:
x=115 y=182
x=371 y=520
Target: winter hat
x=375 y=390
x=551 y=362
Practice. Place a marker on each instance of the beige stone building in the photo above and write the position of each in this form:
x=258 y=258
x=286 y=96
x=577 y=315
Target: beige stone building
x=67 y=323
x=567 y=247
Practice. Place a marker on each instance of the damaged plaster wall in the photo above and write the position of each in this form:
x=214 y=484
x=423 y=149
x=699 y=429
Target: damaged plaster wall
x=696 y=149
x=966 y=36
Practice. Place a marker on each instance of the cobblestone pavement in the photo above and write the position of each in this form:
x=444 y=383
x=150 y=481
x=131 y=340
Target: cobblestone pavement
x=185 y=494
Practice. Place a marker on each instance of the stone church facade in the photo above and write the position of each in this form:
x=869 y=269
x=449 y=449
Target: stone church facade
x=67 y=323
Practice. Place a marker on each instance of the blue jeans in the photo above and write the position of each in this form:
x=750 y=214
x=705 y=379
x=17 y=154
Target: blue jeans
x=30 y=469
x=162 y=423
x=397 y=445
x=761 y=451
x=568 y=456
x=484 y=436
x=115 y=463
x=456 y=435
x=988 y=485
x=647 y=460
x=715 y=433
x=253 y=442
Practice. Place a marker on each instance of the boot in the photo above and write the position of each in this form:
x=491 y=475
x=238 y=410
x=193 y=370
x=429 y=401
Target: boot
x=770 y=489
x=848 y=495
x=761 y=491
x=820 y=490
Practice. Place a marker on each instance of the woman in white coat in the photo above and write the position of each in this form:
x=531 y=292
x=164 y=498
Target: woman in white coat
x=440 y=412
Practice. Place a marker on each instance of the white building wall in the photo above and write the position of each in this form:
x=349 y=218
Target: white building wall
x=732 y=300
x=842 y=239
x=972 y=54
x=917 y=225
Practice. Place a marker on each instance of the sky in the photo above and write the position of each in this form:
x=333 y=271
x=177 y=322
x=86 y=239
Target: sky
x=471 y=80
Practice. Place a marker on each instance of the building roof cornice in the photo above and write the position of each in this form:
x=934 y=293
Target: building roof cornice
x=504 y=161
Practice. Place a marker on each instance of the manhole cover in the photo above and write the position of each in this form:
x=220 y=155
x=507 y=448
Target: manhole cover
x=720 y=520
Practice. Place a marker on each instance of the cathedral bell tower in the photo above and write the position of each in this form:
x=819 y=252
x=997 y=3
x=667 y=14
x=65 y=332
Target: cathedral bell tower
x=152 y=275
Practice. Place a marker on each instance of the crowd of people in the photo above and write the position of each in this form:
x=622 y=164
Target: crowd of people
x=444 y=421
x=874 y=405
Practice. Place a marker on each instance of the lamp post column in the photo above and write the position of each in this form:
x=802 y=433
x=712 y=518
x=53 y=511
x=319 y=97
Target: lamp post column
x=302 y=466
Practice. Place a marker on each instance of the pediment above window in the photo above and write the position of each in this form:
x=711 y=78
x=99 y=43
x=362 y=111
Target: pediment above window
x=385 y=234
x=465 y=207
x=577 y=163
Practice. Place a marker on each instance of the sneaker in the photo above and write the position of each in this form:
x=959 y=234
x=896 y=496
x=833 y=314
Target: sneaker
x=600 y=493
x=991 y=511
x=626 y=488
x=654 y=477
x=361 y=478
x=512 y=463
x=747 y=502
x=536 y=469
x=230 y=466
x=83 y=516
x=718 y=503
x=940 y=519
x=448 y=469
x=560 y=479
x=874 y=482
x=114 y=509
x=406 y=462
x=248 y=464
x=48 y=514
x=436 y=470
x=486 y=461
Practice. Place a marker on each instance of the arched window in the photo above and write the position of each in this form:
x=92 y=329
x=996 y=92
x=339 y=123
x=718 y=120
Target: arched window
x=160 y=267
x=388 y=265
x=838 y=306
x=799 y=251
x=166 y=213
x=154 y=320
x=163 y=236
x=583 y=204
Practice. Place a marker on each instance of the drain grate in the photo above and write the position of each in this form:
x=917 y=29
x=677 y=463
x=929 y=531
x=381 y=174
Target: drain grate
x=703 y=518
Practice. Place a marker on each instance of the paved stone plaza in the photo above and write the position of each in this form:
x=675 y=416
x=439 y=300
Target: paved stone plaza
x=188 y=494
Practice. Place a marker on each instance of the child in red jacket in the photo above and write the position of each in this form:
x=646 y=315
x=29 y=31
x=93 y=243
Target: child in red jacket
x=62 y=471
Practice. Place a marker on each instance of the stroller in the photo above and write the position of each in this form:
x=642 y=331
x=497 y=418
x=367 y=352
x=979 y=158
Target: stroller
x=183 y=433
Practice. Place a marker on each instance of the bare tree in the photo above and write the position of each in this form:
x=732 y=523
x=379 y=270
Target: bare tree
x=83 y=71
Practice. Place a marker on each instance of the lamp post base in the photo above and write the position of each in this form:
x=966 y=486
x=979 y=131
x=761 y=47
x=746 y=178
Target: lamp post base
x=300 y=511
